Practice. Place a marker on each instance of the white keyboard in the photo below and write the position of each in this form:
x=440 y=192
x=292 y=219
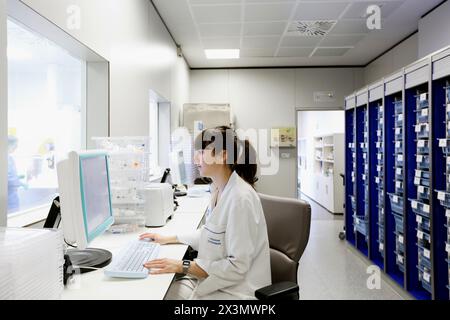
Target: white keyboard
x=129 y=263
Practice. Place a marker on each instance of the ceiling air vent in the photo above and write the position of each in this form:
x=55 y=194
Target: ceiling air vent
x=310 y=28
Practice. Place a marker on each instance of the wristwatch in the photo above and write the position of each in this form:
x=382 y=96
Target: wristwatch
x=186 y=265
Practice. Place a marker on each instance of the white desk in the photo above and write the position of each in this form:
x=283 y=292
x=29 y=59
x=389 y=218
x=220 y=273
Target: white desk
x=95 y=285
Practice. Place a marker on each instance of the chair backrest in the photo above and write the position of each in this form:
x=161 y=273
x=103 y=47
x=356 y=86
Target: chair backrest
x=288 y=226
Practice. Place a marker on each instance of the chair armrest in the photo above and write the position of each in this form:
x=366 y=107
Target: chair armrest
x=279 y=291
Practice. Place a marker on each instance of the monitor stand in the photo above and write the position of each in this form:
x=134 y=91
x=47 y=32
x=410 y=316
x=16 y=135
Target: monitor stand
x=89 y=259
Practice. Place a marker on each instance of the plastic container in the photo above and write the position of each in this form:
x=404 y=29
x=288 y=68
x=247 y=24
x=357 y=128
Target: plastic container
x=422 y=101
x=423 y=146
x=400 y=261
x=422 y=115
x=399 y=159
x=423 y=239
x=399 y=242
x=399 y=225
x=425 y=278
x=396 y=203
x=422 y=130
x=398 y=107
x=422 y=174
x=444 y=198
x=398 y=121
x=398 y=146
x=398 y=134
x=399 y=174
x=423 y=223
x=445 y=145
x=423 y=162
x=361 y=224
x=421 y=208
x=421 y=182
x=398 y=187
x=423 y=193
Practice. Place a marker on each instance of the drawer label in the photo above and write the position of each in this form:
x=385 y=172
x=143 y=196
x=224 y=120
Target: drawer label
x=398 y=171
x=425 y=112
x=416 y=181
x=420 y=235
x=400 y=157
x=421 y=143
x=426 y=277
x=400 y=239
x=381 y=246
x=398 y=130
x=442 y=142
x=423 y=97
x=414 y=204
x=400 y=259
x=426 y=253
x=426 y=208
x=419 y=158
x=398 y=144
x=418 y=173
x=395 y=199
x=441 y=195
x=447 y=247
x=419 y=219
x=421 y=189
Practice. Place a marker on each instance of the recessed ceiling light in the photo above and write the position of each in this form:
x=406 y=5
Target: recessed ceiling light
x=222 y=53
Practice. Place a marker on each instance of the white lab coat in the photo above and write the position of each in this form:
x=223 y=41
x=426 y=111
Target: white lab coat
x=233 y=246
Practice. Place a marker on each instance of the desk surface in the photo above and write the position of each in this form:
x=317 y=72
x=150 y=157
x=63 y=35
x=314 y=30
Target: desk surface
x=95 y=285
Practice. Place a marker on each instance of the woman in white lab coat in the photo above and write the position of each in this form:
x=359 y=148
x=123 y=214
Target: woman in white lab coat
x=233 y=248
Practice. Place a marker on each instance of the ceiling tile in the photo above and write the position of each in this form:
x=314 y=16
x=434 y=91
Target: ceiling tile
x=248 y=53
x=260 y=42
x=319 y=11
x=268 y=12
x=330 y=52
x=300 y=41
x=358 y=9
x=217 y=14
x=221 y=43
x=294 y=52
x=350 y=26
x=341 y=40
x=220 y=30
x=264 y=28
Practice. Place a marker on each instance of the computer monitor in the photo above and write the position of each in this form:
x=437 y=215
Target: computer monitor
x=85 y=198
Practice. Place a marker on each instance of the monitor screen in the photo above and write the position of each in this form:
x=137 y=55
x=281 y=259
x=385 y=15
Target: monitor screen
x=95 y=193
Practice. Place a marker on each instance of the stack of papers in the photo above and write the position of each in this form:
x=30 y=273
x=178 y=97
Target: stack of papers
x=31 y=263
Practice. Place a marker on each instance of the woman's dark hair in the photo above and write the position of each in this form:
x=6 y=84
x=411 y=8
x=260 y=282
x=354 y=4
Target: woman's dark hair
x=241 y=156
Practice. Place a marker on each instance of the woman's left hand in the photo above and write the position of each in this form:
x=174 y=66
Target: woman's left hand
x=159 y=266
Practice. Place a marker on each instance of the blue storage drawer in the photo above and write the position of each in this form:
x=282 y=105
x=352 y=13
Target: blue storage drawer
x=421 y=208
x=444 y=198
x=399 y=226
x=398 y=106
x=400 y=261
x=399 y=242
x=422 y=130
x=396 y=203
x=360 y=224
x=423 y=193
x=423 y=146
x=423 y=162
x=422 y=115
x=422 y=101
x=423 y=239
x=424 y=257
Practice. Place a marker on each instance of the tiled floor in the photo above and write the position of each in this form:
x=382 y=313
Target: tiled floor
x=332 y=269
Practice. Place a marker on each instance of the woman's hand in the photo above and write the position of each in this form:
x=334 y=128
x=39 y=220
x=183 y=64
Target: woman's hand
x=159 y=266
x=158 y=238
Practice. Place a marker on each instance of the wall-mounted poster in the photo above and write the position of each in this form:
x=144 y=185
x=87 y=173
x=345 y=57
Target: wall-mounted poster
x=283 y=137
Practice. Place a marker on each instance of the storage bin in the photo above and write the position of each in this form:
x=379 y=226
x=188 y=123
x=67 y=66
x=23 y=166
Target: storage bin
x=422 y=130
x=422 y=115
x=399 y=226
x=445 y=145
x=422 y=101
x=421 y=208
x=398 y=147
x=399 y=242
x=399 y=174
x=423 y=146
x=396 y=203
x=444 y=198
x=399 y=160
x=398 y=107
x=361 y=224
x=423 y=223
x=363 y=146
x=379 y=145
x=400 y=261
x=398 y=187
x=423 y=239
x=423 y=161
x=425 y=278
x=398 y=134
x=421 y=182
x=422 y=174
x=423 y=193
x=398 y=120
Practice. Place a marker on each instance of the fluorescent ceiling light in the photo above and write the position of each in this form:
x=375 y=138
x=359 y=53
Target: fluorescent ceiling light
x=222 y=53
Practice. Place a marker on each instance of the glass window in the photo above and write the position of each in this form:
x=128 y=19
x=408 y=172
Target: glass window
x=45 y=115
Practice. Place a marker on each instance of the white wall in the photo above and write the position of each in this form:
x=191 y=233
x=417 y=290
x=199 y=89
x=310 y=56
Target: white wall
x=3 y=116
x=266 y=98
x=142 y=55
x=434 y=30
x=393 y=60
